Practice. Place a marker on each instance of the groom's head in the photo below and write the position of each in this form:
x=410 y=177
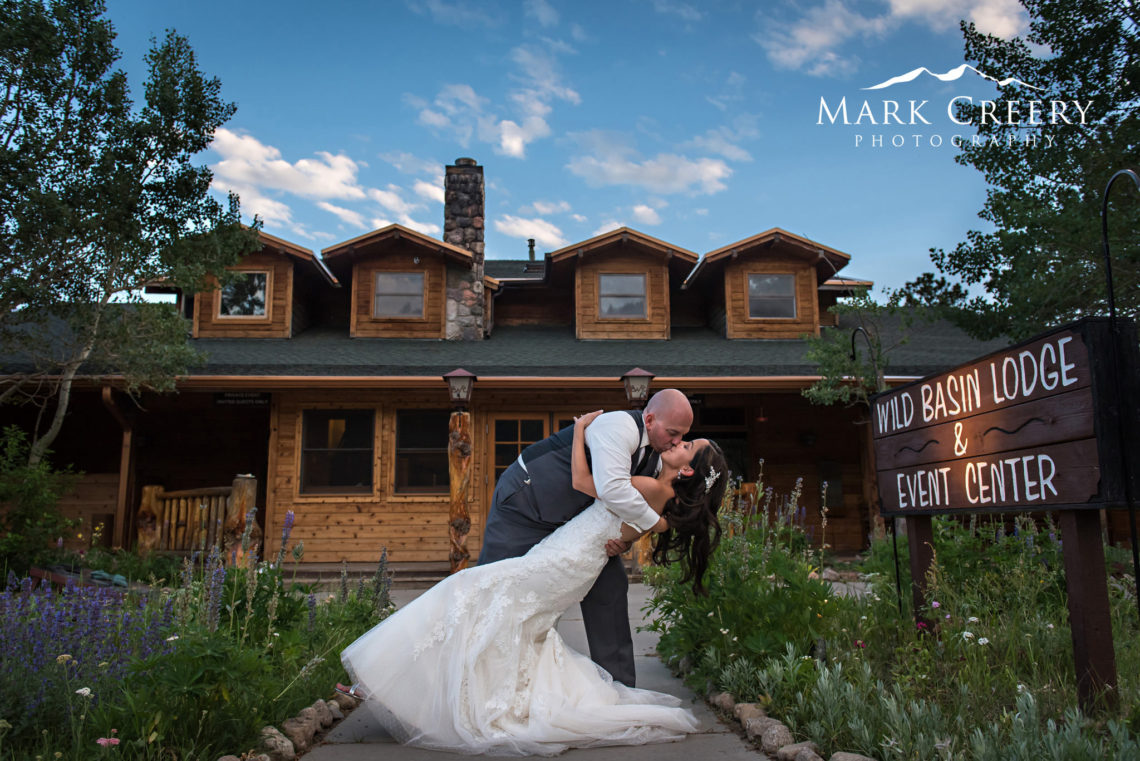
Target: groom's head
x=667 y=419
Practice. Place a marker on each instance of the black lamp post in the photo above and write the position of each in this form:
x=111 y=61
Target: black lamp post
x=636 y=383
x=459 y=386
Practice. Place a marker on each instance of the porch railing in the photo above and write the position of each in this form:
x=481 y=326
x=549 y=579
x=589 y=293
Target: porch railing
x=185 y=520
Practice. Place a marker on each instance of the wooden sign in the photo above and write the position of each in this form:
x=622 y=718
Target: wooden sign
x=241 y=399
x=1032 y=427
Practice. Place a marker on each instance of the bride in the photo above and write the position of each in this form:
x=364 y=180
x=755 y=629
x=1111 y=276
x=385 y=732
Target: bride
x=475 y=665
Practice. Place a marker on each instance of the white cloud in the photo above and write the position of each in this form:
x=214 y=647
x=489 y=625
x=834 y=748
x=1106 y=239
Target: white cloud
x=664 y=173
x=544 y=233
x=540 y=73
x=347 y=216
x=380 y=222
x=730 y=92
x=513 y=138
x=701 y=212
x=578 y=217
x=391 y=200
x=248 y=162
x=718 y=142
x=546 y=207
x=646 y=215
x=607 y=226
x=429 y=190
x=408 y=163
x=427 y=228
x=683 y=11
x=541 y=11
x=458 y=12
x=254 y=203
x=578 y=33
x=814 y=42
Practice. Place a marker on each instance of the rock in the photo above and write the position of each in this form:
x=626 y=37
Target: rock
x=844 y=756
x=723 y=701
x=788 y=752
x=346 y=702
x=744 y=711
x=277 y=745
x=776 y=737
x=807 y=754
x=323 y=714
x=301 y=728
x=334 y=709
x=830 y=574
x=229 y=758
x=755 y=728
x=260 y=757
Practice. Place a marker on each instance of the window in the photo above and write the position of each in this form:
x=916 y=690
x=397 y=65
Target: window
x=421 y=452
x=246 y=296
x=398 y=294
x=336 y=451
x=621 y=297
x=772 y=296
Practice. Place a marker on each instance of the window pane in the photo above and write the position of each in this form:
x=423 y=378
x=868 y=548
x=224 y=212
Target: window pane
x=421 y=451
x=758 y=307
x=505 y=454
x=336 y=451
x=621 y=306
x=530 y=431
x=422 y=472
x=400 y=283
x=506 y=430
x=621 y=285
x=422 y=429
x=245 y=297
x=399 y=306
x=771 y=296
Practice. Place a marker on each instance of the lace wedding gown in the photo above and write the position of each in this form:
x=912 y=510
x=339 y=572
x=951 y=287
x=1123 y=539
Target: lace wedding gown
x=475 y=665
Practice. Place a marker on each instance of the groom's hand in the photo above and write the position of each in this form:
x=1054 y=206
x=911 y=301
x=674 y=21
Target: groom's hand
x=617 y=547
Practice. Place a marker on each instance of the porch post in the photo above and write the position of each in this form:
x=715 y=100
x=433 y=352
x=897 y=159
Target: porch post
x=120 y=535
x=459 y=471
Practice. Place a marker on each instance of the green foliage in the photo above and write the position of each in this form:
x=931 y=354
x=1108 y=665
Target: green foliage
x=1042 y=263
x=30 y=521
x=761 y=592
x=99 y=196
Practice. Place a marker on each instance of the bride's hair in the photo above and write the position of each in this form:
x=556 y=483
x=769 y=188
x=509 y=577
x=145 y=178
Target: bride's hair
x=694 y=531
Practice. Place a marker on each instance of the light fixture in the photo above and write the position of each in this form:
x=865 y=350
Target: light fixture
x=459 y=386
x=636 y=383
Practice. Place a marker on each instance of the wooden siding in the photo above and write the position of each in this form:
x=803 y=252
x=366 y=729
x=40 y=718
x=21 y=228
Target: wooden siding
x=655 y=325
x=431 y=325
x=740 y=325
x=277 y=323
x=92 y=502
x=533 y=305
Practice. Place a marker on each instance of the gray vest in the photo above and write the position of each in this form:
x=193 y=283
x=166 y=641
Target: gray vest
x=548 y=467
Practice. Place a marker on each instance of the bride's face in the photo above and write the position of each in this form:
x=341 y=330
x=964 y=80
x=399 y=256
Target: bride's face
x=680 y=456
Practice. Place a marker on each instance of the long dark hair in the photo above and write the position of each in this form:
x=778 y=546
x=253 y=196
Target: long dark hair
x=694 y=530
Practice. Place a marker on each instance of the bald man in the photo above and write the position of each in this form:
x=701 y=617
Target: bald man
x=535 y=496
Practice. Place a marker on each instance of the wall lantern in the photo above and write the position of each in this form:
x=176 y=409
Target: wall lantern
x=637 y=387
x=459 y=385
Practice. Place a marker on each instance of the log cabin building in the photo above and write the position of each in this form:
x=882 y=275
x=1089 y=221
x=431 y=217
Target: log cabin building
x=323 y=378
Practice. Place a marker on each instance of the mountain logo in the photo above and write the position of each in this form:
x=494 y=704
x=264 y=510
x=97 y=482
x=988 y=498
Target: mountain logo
x=950 y=76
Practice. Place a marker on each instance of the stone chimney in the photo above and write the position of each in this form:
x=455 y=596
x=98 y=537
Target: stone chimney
x=463 y=204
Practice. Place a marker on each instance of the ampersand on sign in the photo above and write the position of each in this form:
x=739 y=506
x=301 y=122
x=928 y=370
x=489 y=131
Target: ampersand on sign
x=959 y=442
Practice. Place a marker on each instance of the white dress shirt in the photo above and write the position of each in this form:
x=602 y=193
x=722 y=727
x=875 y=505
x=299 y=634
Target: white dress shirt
x=612 y=439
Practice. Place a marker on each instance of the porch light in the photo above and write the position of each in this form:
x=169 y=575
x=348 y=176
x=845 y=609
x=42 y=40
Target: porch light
x=637 y=387
x=459 y=385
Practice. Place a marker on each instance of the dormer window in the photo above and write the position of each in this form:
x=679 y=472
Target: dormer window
x=771 y=296
x=621 y=297
x=247 y=296
x=398 y=295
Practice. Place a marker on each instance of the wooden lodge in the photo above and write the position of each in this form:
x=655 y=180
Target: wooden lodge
x=323 y=380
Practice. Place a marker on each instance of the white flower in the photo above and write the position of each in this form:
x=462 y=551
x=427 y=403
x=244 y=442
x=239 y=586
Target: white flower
x=84 y=692
x=984 y=641
x=734 y=639
x=172 y=638
x=1021 y=688
x=724 y=631
x=862 y=618
x=1048 y=626
x=711 y=612
x=972 y=619
x=967 y=635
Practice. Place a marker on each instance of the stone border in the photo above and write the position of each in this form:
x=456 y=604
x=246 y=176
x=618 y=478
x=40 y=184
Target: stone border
x=771 y=735
x=297 y=735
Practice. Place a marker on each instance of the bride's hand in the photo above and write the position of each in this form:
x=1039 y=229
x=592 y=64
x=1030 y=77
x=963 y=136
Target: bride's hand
x=583 y=421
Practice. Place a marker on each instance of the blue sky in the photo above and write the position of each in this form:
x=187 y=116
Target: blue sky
x=694 y=122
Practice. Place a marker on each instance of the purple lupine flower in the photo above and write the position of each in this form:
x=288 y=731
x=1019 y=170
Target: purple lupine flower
x=312 y=601
x=287 y=528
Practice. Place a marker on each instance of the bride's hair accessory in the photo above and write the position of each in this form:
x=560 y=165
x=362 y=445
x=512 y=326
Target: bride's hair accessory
x=710 y=479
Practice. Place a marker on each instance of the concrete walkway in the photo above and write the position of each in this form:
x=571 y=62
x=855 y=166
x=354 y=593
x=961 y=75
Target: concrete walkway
x=358 y=738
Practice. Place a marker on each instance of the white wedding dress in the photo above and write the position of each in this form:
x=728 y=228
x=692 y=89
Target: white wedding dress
x=474 y=664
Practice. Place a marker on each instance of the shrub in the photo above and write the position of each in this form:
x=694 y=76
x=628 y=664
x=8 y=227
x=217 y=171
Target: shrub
x=30 y=521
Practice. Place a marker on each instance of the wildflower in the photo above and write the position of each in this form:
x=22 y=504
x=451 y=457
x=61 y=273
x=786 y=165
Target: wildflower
x=1021 y=688
x=4 y=724
x=63 y=659
x=921 y=625
x=947 y=616
x=172 y=637
x=936 y=604
x=972 y=619
x=984 y=641
x=860 y=644
x=84 y=692
x=862 y=618
x=734 y=639
x=967 y=635
x=724 y=631
x=711 y=613
x=105 y=741
x=1048 y=626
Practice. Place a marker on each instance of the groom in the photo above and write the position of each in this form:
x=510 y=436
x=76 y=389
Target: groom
x=534 y=496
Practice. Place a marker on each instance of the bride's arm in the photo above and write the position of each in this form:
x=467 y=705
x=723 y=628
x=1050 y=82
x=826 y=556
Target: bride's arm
x=581 y=478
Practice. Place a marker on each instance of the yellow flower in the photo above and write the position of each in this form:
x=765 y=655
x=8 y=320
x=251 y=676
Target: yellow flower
x=64 y=658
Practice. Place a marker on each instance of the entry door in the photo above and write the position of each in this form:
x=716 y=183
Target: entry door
x=510 y=434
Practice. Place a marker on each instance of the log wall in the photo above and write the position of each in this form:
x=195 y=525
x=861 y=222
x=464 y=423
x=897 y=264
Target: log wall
x=431 y=325
x=740 y=325
x=590 y=325
x=276 y=323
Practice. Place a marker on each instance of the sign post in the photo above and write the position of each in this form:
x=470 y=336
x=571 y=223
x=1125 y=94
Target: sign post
x=1037 y=426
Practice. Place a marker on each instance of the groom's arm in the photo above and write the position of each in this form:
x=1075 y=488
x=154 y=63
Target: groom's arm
x=613 y=439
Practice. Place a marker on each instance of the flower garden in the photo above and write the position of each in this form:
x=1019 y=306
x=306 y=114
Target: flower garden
x=991 y=678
